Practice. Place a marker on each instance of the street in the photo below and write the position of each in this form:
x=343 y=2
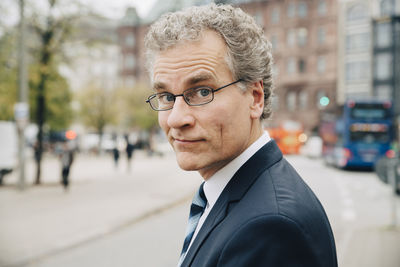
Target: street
x=114 y=218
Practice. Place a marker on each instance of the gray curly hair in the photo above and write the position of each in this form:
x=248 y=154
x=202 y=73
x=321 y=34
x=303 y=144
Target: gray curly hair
x=249 y=54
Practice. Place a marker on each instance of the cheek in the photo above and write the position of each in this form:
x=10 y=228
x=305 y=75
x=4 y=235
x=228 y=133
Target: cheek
x=162 y=120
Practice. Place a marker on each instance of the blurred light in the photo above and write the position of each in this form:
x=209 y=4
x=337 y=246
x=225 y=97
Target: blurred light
x=324 y=101
x=70 y=135
x=390 y=153
x=387 y=104
x=347 y=153
x=302 y=138
x=351 y=104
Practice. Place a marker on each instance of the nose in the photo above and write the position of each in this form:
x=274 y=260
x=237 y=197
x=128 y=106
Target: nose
x=180 y=114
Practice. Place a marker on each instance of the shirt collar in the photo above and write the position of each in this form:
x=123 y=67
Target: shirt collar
x=215 y=184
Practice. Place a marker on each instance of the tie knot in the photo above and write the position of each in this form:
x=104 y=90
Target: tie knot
x=200 y=198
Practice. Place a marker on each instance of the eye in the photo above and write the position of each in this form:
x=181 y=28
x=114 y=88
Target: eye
x=203 y=92
x=166 y=97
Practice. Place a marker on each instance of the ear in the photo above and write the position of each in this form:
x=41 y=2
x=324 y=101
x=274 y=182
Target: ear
x=257 y=93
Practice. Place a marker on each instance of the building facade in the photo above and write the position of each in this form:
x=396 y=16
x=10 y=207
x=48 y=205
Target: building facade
x=303 y=35
x=131 y=32
x=91 y=55
x=386 y=53
x=354 y=49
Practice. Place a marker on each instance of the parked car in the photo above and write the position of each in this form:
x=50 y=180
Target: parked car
x=8 y=148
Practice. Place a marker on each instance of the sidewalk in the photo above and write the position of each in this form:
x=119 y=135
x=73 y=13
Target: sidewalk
x=42 y=220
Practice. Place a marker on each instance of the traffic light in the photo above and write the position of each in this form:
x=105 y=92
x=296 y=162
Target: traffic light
x=324 y=101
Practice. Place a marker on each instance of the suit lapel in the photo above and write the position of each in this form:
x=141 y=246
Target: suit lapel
x=268 y=155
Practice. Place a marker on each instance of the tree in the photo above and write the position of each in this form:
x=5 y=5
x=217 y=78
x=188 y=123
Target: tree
x=98 y=108
x=52 y=30
x=8 y=75
x=137 y=113
x=58 y=97
x=58 y=112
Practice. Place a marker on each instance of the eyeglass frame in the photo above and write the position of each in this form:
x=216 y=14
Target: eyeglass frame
x=183 y=95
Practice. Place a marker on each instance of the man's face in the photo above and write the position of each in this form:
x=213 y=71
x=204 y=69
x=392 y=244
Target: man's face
x=204 y=138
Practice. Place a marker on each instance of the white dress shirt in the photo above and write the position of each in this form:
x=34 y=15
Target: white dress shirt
x=214 y=186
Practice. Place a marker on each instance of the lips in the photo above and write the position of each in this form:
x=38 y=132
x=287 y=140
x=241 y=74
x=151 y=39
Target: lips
x=185 y=142
x=188 y=140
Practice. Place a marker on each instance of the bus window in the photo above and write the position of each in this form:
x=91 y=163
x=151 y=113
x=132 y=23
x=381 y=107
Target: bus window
x=369 y=111
x=370 y=137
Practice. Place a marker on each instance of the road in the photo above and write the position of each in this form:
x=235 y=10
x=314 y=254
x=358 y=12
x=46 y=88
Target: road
x=358 y=205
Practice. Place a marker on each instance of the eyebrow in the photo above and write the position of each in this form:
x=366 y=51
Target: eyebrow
x=201 y=77
x=158 y=86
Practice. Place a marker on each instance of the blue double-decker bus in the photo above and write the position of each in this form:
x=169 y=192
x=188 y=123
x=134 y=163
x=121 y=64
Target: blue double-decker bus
x=358 y=134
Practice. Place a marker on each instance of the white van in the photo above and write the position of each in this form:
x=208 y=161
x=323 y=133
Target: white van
x=8 y=148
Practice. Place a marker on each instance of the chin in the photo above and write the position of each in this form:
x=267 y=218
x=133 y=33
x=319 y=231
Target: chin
x=188 y=162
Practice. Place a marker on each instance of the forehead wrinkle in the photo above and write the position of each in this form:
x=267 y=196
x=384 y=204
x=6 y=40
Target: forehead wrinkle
x=189 y=63
x=171 y=64
x=165 y=70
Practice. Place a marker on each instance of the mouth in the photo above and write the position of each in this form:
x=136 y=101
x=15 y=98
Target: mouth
x=186 y=142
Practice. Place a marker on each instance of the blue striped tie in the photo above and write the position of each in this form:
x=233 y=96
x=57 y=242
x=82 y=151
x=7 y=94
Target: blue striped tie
x=196 y=210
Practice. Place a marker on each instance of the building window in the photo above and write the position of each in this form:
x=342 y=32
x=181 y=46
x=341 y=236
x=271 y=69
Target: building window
x=291 y=10
x=130 y=61
x=302 y=11
x=130 y=40
x=302 y=36
x=302 y=66
x=275 y=15
x=387 y=8
x=274 y=42
x=259 y=18
x=321 y=35
x=357 y=12
x=291 y=65
x=291 y=100
x=383 y=35
x=303 y=99
x=357 y=42
x=384 y=92
x=383 y=66
x=356 y=95
x=322 y=7
x=291 y=37
x=321 y=64
x=356 y=71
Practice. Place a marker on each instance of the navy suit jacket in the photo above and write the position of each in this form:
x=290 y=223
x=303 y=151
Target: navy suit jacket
x=265 y=216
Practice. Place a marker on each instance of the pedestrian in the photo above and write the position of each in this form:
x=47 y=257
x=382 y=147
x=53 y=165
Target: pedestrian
x=211 y=70
x=67 y=158
x=129 y=152
x=116 y=156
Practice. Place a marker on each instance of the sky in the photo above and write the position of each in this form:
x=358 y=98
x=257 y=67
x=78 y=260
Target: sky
x=116 y=8
x=110 y=8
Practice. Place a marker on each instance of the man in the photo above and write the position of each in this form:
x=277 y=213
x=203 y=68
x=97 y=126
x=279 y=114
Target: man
x=210 y=68
x=67 y=158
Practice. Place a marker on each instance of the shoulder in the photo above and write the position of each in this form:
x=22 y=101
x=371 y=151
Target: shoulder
x=288 y=212
x=275 y=240
x=292 y=196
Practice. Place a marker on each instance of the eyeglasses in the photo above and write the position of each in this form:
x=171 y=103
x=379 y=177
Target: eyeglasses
x=196 y=96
